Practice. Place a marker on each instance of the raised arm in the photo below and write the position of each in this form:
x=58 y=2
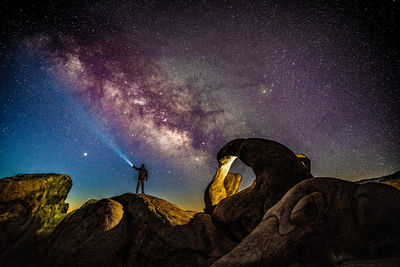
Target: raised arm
x=135 y=168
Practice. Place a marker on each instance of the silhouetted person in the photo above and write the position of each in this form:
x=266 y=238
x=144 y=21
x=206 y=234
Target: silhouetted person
x=142 y=176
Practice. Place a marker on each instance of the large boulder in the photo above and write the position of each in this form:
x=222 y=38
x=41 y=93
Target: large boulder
x=277 y=169
x=324 y=222
x=219 y=189
x=136 y=230
x=31 y=206
x=306 y=162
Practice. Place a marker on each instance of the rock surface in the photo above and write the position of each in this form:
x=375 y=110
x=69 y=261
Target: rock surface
x=284 y=218
x=136 y=230
x=220 y=189
x=323 y=222
x=306 y=162
x=30 y=207
x=277 y=169
x=392 y=180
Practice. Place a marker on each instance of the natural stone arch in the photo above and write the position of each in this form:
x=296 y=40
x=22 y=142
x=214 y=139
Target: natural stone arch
x=223 y=185
x=277 y=169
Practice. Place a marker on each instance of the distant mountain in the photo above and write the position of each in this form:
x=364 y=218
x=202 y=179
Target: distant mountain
x=392 y=179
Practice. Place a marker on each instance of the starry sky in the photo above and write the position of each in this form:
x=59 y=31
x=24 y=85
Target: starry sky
x=86 y=84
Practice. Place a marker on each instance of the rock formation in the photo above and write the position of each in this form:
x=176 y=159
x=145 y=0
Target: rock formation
x=136 y=230
x=277 y=169
x=306 y=162
x=30 y=208
x=323 y=222
x=219 y=189
x=285 y=218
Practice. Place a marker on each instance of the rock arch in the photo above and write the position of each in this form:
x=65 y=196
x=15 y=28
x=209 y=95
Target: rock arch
x=277 y=169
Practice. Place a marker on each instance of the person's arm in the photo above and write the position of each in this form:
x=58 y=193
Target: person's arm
x=135 y=167
x=147 y=175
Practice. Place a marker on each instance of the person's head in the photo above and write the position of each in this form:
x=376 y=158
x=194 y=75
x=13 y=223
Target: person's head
x=142 y=165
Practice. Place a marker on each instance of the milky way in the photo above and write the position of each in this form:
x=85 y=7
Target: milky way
x=175 y=82
x=170 y=116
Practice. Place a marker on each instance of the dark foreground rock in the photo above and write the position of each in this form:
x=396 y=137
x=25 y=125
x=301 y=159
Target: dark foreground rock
x=136 y=230
x=284 y=218
x=31 y=206
x=323 y=222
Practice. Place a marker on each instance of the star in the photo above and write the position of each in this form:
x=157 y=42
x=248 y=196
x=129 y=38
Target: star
x=85 y=154
x=265 y=90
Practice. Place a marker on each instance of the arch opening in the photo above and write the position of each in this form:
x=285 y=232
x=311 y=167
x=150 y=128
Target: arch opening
x=247 y=174
x=228 y=181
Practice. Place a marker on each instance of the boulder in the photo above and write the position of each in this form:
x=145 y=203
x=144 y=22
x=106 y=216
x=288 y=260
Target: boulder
x=93 y=233
x=306 y=162
x=31 y=206
x=220 y=189
x=277 y=169
x=324 y=222
x=136 y=230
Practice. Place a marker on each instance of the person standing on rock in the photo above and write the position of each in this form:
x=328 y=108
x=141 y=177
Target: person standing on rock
x=142 y=176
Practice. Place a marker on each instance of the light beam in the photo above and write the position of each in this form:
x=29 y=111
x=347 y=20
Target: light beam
x=90 y=121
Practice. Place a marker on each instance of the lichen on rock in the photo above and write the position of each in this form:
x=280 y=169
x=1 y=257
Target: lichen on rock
x=31 y=206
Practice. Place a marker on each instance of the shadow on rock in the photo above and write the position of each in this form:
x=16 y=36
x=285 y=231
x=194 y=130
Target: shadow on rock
x=323 y=222
x=136 y=230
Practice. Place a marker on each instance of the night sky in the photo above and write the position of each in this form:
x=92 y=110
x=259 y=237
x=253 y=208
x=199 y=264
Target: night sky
x=168 y=84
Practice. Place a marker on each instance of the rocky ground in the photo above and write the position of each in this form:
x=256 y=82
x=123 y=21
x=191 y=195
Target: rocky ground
x=285 y=218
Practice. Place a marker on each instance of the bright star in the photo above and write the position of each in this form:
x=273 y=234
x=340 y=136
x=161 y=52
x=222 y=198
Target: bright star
x=265 y=90
x=85 y=154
